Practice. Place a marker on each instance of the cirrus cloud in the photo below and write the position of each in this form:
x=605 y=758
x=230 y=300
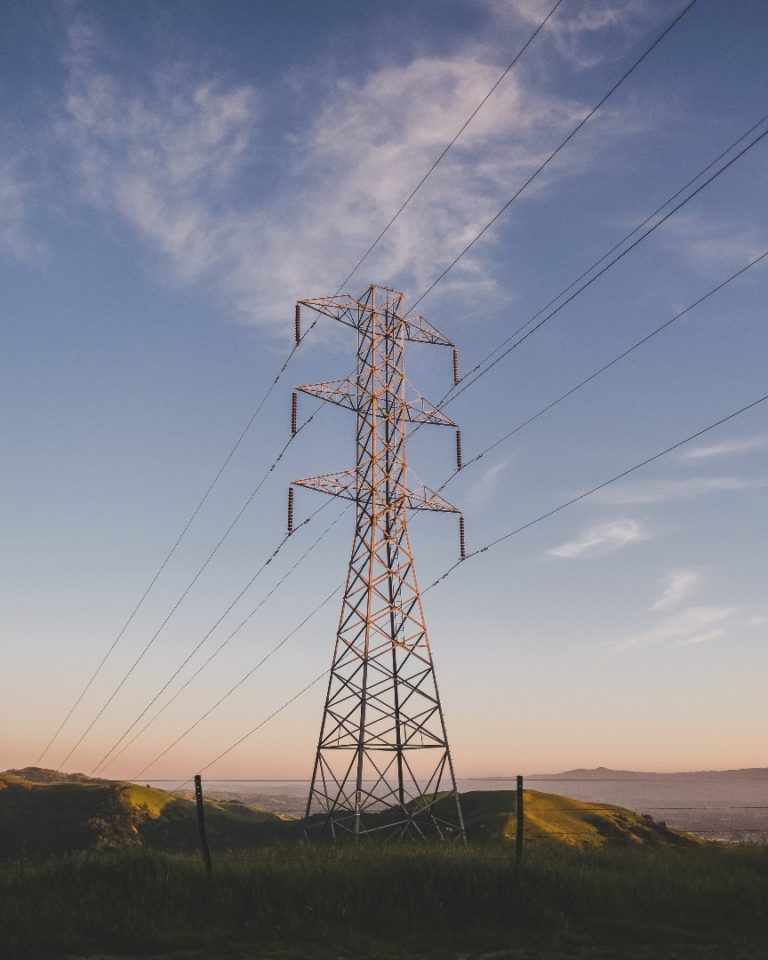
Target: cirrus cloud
x=727 y=447
x=177 y=155
x=597 y=541
x=678 y=585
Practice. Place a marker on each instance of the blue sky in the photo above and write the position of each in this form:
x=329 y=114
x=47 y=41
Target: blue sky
x=173 y=177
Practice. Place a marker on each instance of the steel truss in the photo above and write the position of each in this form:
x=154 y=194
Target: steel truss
x=383 y=764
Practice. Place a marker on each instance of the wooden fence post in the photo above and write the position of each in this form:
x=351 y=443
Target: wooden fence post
x=201 y=825
x=520 y=811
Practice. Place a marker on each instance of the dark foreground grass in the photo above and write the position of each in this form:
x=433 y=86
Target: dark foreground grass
x=322 y=901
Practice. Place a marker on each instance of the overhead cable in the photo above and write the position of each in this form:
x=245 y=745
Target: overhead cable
x=275 y=553
x=469 y=380
x=450 y=570
x=240 y=682
x=291 y=353
x=448 y=146
x=605 y=366
x=279 y=374
x=556 y=151
x=724 y=153
x=571 y=391
x=186 y=591
x=190 y=520
x=599 y=486
x=218 y=649
x=262 y=723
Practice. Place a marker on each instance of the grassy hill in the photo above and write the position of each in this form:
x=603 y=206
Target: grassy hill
x=594 y=876
x=552 y=819
x=44 y=813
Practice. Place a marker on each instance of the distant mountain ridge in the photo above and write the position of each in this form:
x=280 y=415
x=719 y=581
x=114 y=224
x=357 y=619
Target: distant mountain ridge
x=605 y=773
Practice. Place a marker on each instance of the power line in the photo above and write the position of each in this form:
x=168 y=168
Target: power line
x=618 y=245
x=504 y=537
x=187 y=589
x=603 y=270
x=241 y=681
x=453 y=392
x=605 y=366
x=282 y=370
x=601 y=370
x=599 y=486
x=450 y=395
x=295 y=347
x=440 y=579
x=218 y=649
x=448 y=146
x=190 y=520
x=205 y=637
x=573 y=132
x=468 y=380
x=262 y=723
x=556 y=151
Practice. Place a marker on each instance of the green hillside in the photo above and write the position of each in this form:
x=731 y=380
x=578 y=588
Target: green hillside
x=552 y=819
x=44 y=813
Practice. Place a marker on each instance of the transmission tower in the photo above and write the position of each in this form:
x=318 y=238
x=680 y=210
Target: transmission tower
x=383 y=763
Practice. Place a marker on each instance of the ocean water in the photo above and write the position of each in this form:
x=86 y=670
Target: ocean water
x=733 y=807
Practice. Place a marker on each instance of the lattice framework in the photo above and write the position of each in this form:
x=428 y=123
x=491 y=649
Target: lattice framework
x=383 y=763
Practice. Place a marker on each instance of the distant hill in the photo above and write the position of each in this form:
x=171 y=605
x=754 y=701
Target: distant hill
x=605 y=773
x=44 y=813
x=549 y=818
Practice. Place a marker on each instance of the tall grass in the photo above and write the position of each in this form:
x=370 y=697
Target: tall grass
x=359 y=898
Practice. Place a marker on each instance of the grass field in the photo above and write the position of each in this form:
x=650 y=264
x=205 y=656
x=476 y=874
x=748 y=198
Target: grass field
x=360 y=900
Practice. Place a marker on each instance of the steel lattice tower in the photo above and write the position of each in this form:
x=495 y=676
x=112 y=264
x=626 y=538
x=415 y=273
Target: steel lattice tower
x=383 y=763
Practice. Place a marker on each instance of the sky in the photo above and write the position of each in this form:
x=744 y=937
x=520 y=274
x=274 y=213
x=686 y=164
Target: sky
x=175 y=176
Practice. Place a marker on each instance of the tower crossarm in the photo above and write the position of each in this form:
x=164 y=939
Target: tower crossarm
x=341 y=392
x=344 y=484
x=343 y=307
x=425 y=499
x=355 y=313
x=344 y=393
x=421 y=330
x=423 y=411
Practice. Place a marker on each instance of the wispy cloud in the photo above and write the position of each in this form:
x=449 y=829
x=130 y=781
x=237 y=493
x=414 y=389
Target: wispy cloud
x=486 y=486
x=152 y=159
x=15 y=200
x=691 y=626
x=177 y=156
x=678 y=585
x=727 y=447
x=601 y=539
x=700 y=638
x=709 y=242
x=660 y=491
x=590 y=32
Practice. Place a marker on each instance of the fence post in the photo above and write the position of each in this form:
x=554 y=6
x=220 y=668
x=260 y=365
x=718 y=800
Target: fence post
x=201 y=825
x=520 y=812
